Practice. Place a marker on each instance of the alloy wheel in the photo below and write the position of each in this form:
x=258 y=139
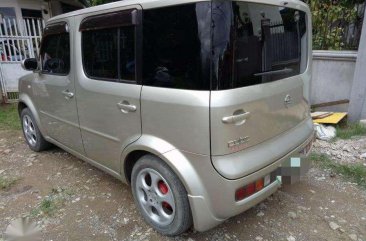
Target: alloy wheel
x=29 y=130
x=155 y=196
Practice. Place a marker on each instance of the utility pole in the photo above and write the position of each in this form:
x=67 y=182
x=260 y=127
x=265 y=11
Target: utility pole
x=357 y=105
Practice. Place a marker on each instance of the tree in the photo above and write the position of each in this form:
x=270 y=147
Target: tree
x=332 y=20
x=98 y=2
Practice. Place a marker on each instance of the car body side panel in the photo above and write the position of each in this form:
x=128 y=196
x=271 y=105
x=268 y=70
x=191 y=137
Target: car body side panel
x=180 y=117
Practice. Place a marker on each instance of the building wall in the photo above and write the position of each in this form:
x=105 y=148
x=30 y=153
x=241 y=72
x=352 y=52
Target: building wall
x=332 y=77
x=28 y=4
x=51 y=7
x=36 y=5
x=56 y=9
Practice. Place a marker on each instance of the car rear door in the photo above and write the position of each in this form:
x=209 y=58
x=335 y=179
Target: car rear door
x=107 y=87
x=260 y=64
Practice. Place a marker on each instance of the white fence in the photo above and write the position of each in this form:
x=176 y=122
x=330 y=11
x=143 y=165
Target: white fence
x=18 y=40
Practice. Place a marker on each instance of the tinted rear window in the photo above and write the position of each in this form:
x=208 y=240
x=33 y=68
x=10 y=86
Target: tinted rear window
x=176 y=46
x=256 y=43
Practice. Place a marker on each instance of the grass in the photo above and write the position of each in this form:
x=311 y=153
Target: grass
x=48 y=207
x=51 y=203
x=354 y=172
x=350 y=130
x=9 y=118
x=7 y=182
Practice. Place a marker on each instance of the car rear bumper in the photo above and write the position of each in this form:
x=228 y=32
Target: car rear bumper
x=247 y=161
x=217 y=202
x=205 y=219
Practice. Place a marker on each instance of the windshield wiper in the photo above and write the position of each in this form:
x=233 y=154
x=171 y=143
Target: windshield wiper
x=280 y=71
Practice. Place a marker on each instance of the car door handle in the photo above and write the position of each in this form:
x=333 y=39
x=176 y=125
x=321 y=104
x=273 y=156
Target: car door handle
x=236 y=119
x=68 y=95
x=126 y=107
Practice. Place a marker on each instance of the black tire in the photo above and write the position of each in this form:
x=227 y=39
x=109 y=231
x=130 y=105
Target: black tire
x=40 y=143
x=182 y=220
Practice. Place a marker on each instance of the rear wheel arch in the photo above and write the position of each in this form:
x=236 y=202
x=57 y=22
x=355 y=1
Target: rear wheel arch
x=132 y=158
x=130 y=162
x=181 y=162
x=176 y=160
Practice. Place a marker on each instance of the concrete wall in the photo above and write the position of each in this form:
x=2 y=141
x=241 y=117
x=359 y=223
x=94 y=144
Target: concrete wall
x=332 y=77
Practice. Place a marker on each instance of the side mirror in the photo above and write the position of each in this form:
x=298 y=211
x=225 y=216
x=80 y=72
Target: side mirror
x=30 y=64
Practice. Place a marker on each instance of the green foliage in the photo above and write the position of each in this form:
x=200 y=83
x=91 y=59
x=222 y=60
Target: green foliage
x=7 y=182
x=51 y=203
x=9 y=118
x=98 y=2
x=348 y=131
x=330 y=18
x=353 y=172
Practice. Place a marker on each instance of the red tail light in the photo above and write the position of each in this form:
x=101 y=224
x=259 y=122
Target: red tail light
x=240 y=194
x=252 y=188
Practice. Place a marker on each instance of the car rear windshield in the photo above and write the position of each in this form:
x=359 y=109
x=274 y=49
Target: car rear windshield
x=256 y=43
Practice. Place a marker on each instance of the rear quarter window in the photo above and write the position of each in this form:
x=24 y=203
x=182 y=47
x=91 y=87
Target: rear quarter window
x=176 y=46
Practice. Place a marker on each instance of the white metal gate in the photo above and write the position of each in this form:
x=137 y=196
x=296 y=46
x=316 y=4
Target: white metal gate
x=18 y=40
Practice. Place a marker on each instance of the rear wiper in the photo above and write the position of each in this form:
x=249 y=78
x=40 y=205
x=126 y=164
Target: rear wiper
x=280 y=71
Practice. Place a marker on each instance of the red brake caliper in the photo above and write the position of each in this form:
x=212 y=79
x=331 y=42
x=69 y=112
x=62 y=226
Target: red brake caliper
x=163 y=188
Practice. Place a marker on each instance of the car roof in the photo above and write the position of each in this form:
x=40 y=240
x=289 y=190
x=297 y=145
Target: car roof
x=145 y=4
x=148 y=4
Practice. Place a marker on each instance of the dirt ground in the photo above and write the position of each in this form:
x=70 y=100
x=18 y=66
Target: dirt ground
x=88 y=204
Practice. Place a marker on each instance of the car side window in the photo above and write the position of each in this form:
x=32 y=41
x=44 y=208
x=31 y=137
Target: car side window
x=109 y=54
x=55 y=54
x=100 y=53
x=108 y=46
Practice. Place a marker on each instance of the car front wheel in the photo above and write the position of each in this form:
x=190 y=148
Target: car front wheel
x=31 y=132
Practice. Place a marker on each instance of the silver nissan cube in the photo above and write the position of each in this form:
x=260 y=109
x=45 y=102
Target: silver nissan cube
x=201 y=106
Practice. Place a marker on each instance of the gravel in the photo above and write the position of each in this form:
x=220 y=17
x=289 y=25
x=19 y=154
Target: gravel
x=334 y=226
x=96 y=206
x=348 y=151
